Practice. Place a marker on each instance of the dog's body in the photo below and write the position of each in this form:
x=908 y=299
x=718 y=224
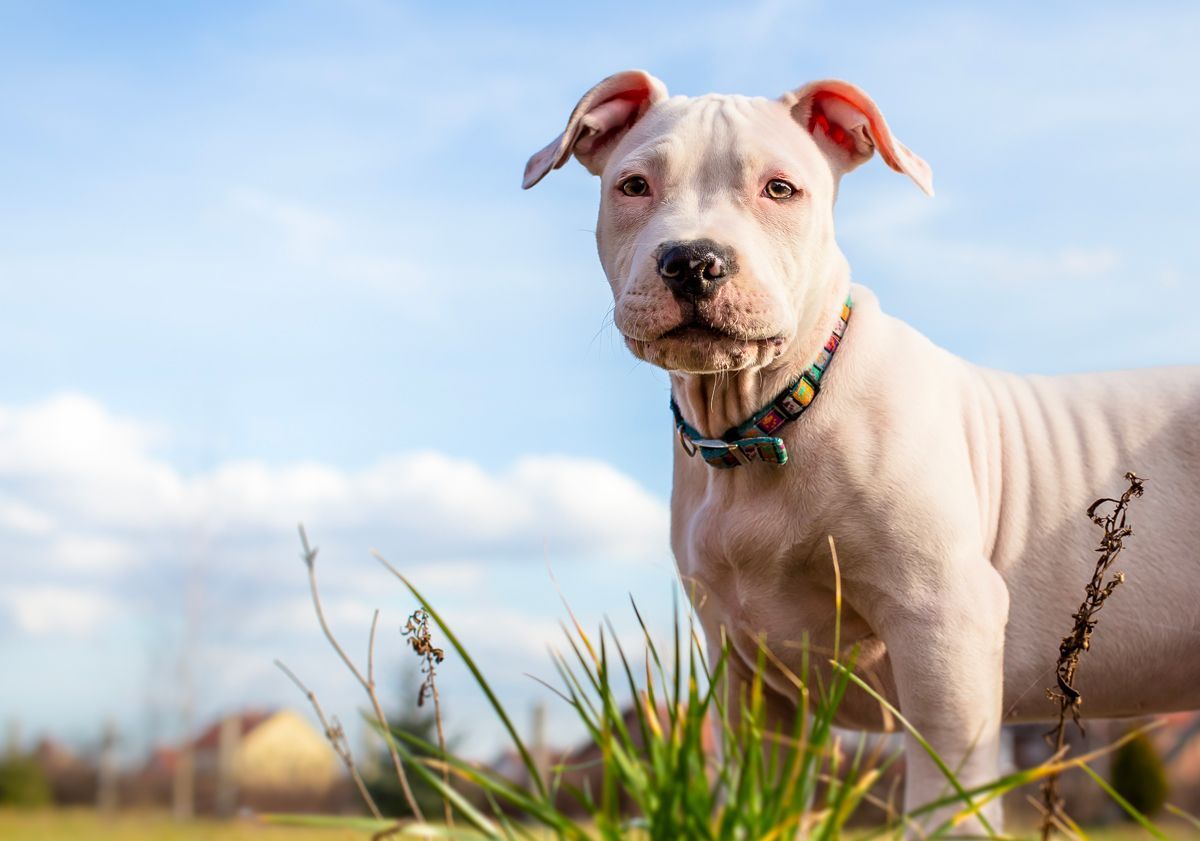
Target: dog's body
x=955 y=494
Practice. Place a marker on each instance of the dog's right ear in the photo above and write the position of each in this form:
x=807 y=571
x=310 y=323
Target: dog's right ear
x=598 y=122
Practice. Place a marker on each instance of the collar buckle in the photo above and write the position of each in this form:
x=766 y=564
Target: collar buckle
x=707 y=446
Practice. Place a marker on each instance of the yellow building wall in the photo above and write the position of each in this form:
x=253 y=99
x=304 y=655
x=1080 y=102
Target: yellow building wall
x=285 y=752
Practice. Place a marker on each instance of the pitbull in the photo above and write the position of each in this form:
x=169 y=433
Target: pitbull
x=802 y=411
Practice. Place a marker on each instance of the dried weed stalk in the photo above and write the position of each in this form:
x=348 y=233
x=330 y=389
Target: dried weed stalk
x=335 y=734
x=367 y=682
x=416 y=631
x=1116 y=528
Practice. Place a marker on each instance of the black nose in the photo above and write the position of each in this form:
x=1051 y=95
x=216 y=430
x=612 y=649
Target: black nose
x=695 y=269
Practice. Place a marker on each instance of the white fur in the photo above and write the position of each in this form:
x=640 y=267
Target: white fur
x=955 y=493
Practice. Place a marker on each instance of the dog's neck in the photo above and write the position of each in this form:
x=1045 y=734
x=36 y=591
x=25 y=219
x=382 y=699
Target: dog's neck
x=714 y=403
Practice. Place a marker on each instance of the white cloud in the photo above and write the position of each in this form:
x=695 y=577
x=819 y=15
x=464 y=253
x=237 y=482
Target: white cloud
x=67 y=433
x=512 y=631
x=89 y=552
x=296 y=615
x=23 y=519
x=88 y=493
x=95 y=525
x=79 y=464
x=43 y=610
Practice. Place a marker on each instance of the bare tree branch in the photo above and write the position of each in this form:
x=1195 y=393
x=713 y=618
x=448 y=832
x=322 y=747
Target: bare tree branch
x=367 y=683
x=336 y=736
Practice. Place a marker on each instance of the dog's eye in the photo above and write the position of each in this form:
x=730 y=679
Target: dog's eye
x=777 y=188
x=635 y=185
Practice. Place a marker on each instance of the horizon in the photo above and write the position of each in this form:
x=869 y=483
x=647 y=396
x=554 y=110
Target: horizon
x=270 y=264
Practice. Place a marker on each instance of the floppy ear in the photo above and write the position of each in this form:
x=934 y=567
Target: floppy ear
x=849 y=127
x=600 y=119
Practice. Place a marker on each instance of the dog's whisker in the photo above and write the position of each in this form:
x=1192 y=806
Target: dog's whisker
x=1037 y=681
x=605 y=322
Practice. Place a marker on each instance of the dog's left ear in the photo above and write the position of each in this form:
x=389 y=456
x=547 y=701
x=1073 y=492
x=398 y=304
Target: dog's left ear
x=848 y=127
x=600 y=119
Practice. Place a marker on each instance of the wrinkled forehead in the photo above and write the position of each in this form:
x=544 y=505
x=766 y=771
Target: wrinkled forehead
x=716 y=137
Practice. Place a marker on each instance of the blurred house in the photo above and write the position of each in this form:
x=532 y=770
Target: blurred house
x=253 y=760
x=72 y=778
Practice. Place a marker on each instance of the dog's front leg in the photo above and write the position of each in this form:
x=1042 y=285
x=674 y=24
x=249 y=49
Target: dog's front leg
x=946 y=646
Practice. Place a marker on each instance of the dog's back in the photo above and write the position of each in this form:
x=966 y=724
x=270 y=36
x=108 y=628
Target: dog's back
x=1059 y=443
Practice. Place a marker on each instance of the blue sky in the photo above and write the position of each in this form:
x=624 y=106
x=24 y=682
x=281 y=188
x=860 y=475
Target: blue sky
x=265 y=262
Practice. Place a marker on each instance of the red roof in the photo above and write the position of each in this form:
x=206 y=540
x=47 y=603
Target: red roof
x=250 y=719
x=162 y=760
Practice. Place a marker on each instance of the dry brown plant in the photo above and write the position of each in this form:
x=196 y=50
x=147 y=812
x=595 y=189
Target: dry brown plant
x=1116 y=527
x=416 y=631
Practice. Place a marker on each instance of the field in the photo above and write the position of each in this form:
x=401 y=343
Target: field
x=82 y=825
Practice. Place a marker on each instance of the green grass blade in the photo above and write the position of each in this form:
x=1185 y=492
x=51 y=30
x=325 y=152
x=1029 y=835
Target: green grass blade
x=632 y=683
x=1182 y=815
x=401 y=829
x=502 y=714
x=1129 y=808
x=540 y=809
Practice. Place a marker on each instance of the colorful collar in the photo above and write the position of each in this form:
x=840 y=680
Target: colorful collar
x=754 y=439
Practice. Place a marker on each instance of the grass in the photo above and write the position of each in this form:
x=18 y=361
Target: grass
x=767 y=784
x=654 y=775
x=86 y=825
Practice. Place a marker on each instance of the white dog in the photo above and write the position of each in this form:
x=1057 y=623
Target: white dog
x=955 y=493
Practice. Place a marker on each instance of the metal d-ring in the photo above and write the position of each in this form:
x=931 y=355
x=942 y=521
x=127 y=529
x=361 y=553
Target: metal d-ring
x=686 y=442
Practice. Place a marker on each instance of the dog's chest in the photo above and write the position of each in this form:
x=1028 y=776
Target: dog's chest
x=758 y=570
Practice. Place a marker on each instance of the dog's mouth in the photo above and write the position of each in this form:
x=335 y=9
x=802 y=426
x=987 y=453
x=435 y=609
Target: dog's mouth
x=699 y=330
x=699 y=347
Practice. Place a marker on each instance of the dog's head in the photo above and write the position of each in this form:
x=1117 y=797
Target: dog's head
x=716 y=212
